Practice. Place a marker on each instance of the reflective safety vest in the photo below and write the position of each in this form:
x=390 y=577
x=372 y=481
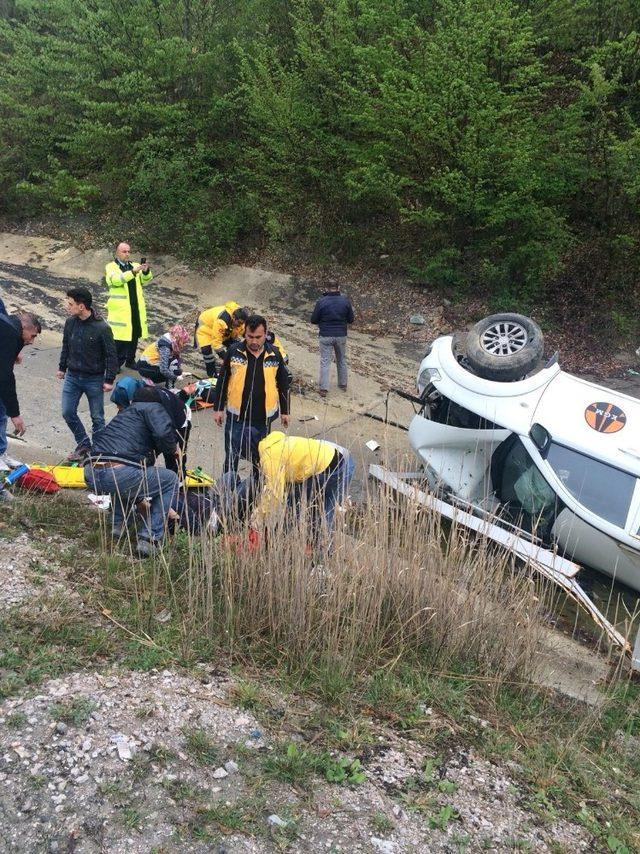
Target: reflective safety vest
x=238 y=362
x=118 y=302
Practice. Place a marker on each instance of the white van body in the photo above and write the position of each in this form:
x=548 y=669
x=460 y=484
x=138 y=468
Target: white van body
x=586 y=448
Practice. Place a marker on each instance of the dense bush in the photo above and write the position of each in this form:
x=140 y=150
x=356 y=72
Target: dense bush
x=480 y=141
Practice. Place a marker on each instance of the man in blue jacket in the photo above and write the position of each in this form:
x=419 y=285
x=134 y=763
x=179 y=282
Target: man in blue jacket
x=119 y=467
x=332 y=313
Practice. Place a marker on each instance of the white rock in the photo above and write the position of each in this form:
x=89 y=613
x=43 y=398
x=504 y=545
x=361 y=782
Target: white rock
x=231 y=767
x=220 y=774
x=383 y=845
x=122 y=746
x=275 y=821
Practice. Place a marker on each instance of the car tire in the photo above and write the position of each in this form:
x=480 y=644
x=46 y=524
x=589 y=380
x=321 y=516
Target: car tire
x=504 y=347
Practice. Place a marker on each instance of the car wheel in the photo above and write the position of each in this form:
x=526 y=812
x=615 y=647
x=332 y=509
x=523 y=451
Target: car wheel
x=504 y=347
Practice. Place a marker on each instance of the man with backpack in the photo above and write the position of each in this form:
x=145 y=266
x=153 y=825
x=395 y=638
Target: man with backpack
x=88 y=366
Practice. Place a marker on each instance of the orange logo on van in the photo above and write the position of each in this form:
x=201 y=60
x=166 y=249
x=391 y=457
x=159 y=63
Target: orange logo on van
x=605 y=417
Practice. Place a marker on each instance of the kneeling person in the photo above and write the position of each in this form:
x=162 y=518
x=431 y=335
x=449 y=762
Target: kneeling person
x=217 y=328
x=118 y=467
x=160 y=362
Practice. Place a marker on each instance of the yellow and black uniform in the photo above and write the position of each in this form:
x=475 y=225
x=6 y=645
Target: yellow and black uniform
x=273 y=339
x=290 y=459
x=215 y=332
x=253 y=390
x=314 y=472
x=126 y=309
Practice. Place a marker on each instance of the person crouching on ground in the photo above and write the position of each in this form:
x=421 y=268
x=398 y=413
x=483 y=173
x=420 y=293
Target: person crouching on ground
x=217 y=329
x=160 y=362
x=314 y=471
x=179 y=412
x=88 y=365
x=118 y=467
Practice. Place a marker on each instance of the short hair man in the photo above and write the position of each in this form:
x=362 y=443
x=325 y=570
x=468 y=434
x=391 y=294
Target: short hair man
x=16 y=330
x=126 y=309
x=253 y=386
x=332 y=313
x=88 y=366
x=117 y=467
x=217 y=328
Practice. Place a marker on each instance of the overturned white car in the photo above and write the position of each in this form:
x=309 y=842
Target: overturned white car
x=501 y=434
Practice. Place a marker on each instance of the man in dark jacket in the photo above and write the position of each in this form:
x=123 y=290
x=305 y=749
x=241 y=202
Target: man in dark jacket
x=332 y=313
x=118 y=467
x=88 y=365
x=16 y=330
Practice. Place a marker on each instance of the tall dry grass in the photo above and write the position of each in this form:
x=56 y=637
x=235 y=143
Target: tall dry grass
x=392 y=585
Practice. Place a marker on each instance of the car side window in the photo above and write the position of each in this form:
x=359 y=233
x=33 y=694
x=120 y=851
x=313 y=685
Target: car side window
x=601 y=488
x=522 y=489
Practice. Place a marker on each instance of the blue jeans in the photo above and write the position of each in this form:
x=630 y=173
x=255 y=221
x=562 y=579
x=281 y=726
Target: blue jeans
x=74 y=387
x=325 y=491
x=128 y=484
x=3 y=429
x=241 y=442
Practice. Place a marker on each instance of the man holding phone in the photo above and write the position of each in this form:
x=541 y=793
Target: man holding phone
x=126 y=309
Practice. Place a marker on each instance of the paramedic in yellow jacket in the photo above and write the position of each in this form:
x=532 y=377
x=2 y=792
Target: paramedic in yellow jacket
x=253 y=387
x=302 y=469
x=126 y=309
x=216 y=329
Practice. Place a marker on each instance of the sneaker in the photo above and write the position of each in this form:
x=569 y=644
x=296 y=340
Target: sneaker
x=7 y=462
x=80 y=454
x=342 y=387
x=322 y=392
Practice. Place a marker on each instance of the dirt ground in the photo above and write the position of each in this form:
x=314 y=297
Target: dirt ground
x=35 y=273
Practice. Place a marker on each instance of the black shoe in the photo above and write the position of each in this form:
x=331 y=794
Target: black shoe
x=80 y=454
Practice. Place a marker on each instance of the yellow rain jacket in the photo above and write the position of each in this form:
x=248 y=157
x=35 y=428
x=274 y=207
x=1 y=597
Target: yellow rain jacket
x=214 y=328
x=118 y=304
x=290 y=459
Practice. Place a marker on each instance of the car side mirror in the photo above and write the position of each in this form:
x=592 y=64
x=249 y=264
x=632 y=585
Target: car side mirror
x=540 y=437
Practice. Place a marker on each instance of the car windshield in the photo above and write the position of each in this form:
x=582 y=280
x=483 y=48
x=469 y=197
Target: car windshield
x=601 y=488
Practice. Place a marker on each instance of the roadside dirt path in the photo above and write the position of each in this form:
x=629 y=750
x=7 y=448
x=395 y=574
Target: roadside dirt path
x=36 y=272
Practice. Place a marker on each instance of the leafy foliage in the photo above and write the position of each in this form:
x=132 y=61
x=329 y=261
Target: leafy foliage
x=483 y=140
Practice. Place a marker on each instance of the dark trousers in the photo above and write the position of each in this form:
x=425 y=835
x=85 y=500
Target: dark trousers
x=241 y=442
x=126 y=351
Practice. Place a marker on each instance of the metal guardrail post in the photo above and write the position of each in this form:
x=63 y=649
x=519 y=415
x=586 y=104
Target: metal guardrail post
x=635 y=655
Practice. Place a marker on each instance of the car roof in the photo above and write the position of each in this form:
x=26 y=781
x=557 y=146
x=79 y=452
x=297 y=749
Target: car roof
x=598 y=421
